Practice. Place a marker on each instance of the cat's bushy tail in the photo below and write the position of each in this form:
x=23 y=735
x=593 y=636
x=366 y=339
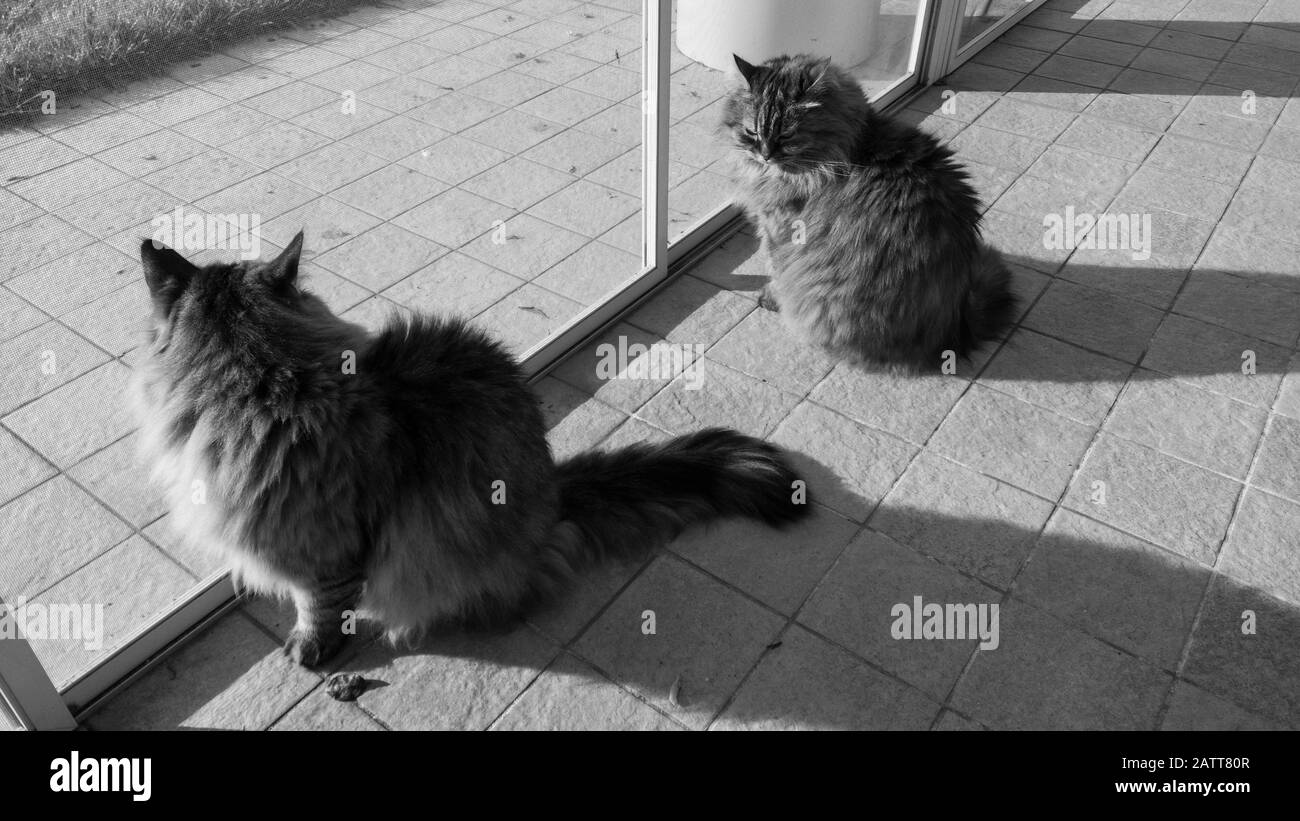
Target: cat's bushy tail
x=991 y=304
x=628 y=502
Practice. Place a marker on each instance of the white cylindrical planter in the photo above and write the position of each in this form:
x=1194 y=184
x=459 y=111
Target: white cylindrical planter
x=710 y=31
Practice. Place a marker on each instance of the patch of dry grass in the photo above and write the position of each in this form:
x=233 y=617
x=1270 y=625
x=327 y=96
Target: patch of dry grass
x=67 y=45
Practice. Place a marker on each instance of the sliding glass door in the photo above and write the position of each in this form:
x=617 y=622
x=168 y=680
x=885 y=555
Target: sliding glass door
x=538 y=166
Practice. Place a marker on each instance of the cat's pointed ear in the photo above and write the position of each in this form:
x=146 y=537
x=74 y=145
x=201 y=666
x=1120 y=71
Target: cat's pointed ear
x=747 y=69
x=283 y=270
x=165 y=272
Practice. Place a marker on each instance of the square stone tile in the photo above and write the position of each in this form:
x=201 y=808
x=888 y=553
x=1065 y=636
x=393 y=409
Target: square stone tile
x=217 y=128
x=1142 y=111
x=192 y=179
x=512 y=131
x=381 y=256
x=574 y=422
x=854 y=606
x=565 y=617
x=1109 y=137
x=319 y=711
x=570 y=695
x=267 y=195
x=49 y=532
x=509 y=89
x=1075 y=70
x=908 y=406
x=107 y=131
x=24 y=468
x=973 y=523
x=395 y=138
x=454 y=217
x=807 y=684
x=1064 y=680
x=1244 y=305
x=1114 y=586
x=1016 y=117
x=527 y=316
x=1186 y=155
x=1099 y=50
x=34 y=243
x=151 y=152
x=748 y=348
x=525 y=247
x=1156 y=497
x=1021 y=239
x=330 y=167
x=118 y=476
x=452 y=682
x=574 y=152
x=232 y=677
x=76 y=419
x=1259 y=551
x=18 y=316
x=1012 y=441
x=592 y=273
x=1173 y=417
x=1191 y=708
x=66 y=184
x=1277 y=468
x=342 y=117
x=848 y=467
x=706 y=637
x=997 y=148
x=1162 y=87
x=1214 y=358
x=389 y=191
x=779 y=567
x=1151 y=265
x=586 y=208
x=616 y=371
x=718 y=391
x=325 y=222
x=109 y=212
x=276 y=144
x=454 y=111
x=76 y=280
x=454 y=284
x=1046 y=91
x=1183 y=194
x=1259 y=671
x=1094 y=320
x=133 y=583
x=40 y=360
x=455 y=159
x=692 y=311
x=518 y=182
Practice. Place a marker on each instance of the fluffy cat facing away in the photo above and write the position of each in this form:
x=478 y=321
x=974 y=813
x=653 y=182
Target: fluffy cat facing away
x=404 y=474
x=870 y=228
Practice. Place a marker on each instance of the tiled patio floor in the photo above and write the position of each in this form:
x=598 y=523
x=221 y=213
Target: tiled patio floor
x=1120 y=474
x=490 y=167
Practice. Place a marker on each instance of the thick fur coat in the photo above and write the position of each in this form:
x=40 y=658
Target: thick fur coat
x=871 y=229
x=404 y=474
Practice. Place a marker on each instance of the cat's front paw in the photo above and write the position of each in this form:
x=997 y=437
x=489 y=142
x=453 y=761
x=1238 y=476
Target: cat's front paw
x=312 y=649
x=768 y=302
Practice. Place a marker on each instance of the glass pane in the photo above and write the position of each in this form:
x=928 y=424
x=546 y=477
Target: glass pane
x=981 y=15
x=7 y=719
x=475 y=158
x=874 y=40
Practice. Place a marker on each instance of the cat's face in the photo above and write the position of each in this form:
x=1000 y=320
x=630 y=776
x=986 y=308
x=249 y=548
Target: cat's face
x=245 y=301
x=791 y=115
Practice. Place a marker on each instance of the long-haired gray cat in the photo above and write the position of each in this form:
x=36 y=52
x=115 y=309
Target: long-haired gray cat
x=870 y=228
x=404 y=474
